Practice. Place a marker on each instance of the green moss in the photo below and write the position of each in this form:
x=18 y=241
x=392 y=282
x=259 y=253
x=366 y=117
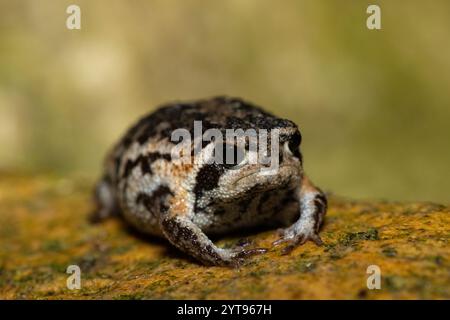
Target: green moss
x=153 y=264
x=54 y=245
x=258 y=273
x=306 y=266
x=351 y=238
x=394 y=283
x=130 y=296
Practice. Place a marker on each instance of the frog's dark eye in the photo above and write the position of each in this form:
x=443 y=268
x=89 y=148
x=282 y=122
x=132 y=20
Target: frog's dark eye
x=294 y=143
x=233 y=156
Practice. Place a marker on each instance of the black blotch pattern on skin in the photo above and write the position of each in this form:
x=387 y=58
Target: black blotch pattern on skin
x=156 y=201
x=320 y=203
x=257 y=120
x=170 y=113
x=207 y=179
x=153 y=156
x=321 y=197
x=131 y=164
x=176 y=116
x=145 y=166
x=218 y=112
x=144 y=161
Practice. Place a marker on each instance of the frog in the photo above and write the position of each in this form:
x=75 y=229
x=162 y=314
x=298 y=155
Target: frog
x=190 y=202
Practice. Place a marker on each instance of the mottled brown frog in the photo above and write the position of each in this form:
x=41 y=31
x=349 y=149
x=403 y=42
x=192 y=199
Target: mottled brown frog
x=185 y=202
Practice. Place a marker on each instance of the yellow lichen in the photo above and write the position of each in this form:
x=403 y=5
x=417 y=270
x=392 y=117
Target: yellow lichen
x=44 y=229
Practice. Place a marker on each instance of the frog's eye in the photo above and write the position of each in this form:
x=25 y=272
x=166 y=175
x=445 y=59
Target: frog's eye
x=234 y=157
x=292 y=146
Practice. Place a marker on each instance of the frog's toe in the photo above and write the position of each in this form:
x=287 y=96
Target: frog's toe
x=251 y=252
x=242 y=249
x=295 y=240
x=240 y=255
x=281 y=240
x=244 y=242
x=316 y=239
x=285 y=235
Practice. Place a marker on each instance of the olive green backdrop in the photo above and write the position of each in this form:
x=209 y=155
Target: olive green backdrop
x=373 y=106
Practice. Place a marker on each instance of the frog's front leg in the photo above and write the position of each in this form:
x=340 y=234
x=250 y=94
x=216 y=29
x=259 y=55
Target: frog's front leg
x=189 y=238
x=313 y=206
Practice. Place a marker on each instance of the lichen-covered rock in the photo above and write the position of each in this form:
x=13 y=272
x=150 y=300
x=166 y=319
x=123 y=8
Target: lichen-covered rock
x=44 y=229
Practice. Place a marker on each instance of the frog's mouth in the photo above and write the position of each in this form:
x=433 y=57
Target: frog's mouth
x=271 y=178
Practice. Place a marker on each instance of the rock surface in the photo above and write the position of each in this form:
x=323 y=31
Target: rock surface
x=43 y=230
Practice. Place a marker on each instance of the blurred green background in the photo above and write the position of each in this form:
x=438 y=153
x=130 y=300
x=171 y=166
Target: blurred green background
x=373 y=106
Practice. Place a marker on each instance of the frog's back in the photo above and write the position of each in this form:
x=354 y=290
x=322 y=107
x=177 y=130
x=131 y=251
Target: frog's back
x=218 y=113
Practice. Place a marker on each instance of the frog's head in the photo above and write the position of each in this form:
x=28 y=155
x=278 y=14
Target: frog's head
x=237 y=168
